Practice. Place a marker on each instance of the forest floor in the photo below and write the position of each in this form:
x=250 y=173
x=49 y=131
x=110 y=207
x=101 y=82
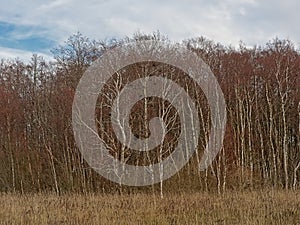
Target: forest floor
x=255 y=207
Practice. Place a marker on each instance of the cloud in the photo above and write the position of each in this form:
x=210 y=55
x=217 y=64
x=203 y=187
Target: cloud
x=10 y=53
x=225 y=21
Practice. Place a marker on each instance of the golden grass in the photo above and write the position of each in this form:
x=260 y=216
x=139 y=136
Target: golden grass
x=265 y=207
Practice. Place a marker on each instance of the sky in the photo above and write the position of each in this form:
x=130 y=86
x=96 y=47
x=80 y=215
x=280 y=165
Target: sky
x=37 y=26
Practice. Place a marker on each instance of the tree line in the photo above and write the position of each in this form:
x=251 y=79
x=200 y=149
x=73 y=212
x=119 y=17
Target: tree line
x=261 y=146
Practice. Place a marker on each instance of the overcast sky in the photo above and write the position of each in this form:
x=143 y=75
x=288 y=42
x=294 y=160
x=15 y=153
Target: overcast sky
x=36 y=26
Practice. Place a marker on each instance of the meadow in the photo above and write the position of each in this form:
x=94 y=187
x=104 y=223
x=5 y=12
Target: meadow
x=247 y=207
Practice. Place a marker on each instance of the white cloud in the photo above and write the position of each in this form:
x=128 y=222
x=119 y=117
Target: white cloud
x=10 y=53
x=225 y=21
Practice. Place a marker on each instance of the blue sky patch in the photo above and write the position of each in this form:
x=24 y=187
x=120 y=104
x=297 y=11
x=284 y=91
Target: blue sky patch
x=24 y=37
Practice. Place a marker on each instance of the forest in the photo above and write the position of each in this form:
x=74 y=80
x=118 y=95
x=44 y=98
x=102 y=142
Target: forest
x=261 y=148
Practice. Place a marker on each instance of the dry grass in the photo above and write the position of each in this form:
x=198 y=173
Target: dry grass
x=267 y=207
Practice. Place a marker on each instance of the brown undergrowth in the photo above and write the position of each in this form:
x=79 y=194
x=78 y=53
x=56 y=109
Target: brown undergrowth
x=256 y=207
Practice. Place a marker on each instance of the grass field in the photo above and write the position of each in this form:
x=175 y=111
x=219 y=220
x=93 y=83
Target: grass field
x=267 y=207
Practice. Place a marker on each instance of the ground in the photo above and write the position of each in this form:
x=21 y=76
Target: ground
x=256 y=207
